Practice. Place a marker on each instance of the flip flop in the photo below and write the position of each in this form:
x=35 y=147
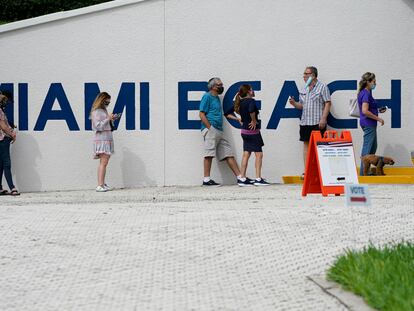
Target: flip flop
x=14 y=192
x=4 y=192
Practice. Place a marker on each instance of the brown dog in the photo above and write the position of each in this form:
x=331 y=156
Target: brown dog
x=377 y=161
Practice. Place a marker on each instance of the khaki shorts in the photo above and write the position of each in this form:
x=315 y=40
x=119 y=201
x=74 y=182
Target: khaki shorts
x=214 y=142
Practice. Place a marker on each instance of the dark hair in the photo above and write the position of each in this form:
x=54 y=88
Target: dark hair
x=366 y=77
x=8 y=94
x=314 y=70
x=243 y=91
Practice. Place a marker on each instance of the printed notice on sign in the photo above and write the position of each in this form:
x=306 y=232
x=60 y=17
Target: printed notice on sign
x=337 y=163
x=357 y=195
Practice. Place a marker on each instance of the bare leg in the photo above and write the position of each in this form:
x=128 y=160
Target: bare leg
x=258 y=164
x=104 y=159
x=231 y=162
x=207 y=166
x=245 y=160
x=305 y=152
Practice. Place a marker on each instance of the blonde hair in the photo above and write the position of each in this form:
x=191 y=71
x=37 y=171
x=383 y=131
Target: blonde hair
x=99 y=102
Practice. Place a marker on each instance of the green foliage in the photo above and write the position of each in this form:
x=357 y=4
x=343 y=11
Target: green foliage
x=21 y=9
x=384 y=277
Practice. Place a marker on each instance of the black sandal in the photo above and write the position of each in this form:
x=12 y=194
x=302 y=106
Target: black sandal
x=14 y=192
x=4 y=192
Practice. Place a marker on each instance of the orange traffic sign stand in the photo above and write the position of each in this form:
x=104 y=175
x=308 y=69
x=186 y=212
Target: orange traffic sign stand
x=313 y=175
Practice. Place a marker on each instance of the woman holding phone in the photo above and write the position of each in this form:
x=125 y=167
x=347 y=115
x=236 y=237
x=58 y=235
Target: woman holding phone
x=368 y=115
x=103 y=142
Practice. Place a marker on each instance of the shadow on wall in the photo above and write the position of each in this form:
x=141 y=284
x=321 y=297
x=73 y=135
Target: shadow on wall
x=409 y=3
x=226 y=173
x=133 y=170
x=25 y=172
x=400 y=154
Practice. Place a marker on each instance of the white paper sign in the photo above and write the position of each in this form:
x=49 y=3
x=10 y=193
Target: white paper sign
x=357 y=195
x=337 y=163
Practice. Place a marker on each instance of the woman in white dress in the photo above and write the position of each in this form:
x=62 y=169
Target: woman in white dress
x=103 y=142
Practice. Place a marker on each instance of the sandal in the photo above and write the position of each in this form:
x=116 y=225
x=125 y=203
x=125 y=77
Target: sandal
x=14 y=192
x=4 y=192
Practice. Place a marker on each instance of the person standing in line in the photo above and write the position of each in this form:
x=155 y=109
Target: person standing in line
x=315 y=103
x=368 y=115
x=103 y=142
x=211 y=116
x=246 y=107
x=7 y=137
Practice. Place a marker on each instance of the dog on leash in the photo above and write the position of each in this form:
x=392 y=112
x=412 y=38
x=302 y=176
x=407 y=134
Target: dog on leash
x=377 y=161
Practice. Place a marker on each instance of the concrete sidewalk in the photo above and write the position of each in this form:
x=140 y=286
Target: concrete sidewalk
x=189 y=248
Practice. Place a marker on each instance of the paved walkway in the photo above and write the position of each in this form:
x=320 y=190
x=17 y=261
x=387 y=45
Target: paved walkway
x=189 y=248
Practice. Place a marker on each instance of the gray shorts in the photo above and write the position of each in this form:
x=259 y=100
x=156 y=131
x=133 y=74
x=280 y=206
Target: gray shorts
x=214 y=142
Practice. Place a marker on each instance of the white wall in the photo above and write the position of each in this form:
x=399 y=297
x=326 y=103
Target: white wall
x=165 y=42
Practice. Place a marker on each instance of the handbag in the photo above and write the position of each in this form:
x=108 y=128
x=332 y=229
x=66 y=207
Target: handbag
x=354 y=108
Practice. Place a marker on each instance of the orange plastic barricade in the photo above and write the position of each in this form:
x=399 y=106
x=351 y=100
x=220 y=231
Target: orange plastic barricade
x=337 y=155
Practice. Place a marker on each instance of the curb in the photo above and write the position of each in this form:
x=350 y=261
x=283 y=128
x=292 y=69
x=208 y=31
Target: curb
x=348 y=299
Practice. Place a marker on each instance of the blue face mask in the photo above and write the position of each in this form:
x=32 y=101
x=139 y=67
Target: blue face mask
x=308 y=82
x=373 y=87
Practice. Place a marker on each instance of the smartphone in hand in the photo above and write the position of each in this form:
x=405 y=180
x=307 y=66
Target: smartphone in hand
x=382 y=109
x=117 y=116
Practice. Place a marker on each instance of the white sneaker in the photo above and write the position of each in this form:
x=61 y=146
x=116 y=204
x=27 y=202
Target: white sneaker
x=105 y=186
x=100 y=189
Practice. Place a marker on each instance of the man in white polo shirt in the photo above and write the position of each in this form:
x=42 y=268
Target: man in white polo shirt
x=315 y=103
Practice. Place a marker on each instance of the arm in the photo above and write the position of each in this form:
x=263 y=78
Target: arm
x=295 y=104
x=230 y=114
x=100 y=120
x=325 y=113
x=252 y=125
x=233 y=117
x=203 y=119
x=369 y=114
x=7 y=130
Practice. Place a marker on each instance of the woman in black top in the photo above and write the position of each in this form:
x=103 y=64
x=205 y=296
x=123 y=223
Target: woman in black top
x=246 y=107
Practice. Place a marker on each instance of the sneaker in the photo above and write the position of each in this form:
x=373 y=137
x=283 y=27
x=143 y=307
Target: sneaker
x=105 y=186
x=210 y=183
x=244 y=183
x=261 y=182
x=100 y=189
x=250 y=180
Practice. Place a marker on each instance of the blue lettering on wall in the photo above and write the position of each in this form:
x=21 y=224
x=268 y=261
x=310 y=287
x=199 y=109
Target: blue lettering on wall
x=23 y=107
x=185 y=105
x=342 y=123
x=280 y=111
x=394 y=103
x=125 y=102
x=56 y=93
x=125 y=99
x=144 y=117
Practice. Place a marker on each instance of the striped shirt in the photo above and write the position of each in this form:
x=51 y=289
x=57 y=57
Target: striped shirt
x=313 y=103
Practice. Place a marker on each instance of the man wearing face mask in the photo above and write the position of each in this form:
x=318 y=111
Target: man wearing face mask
x=211 y=116
x=315 y=103
x=7 y=136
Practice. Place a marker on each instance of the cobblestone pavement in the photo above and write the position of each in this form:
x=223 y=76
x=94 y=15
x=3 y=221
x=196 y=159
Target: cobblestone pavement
x=188 y=248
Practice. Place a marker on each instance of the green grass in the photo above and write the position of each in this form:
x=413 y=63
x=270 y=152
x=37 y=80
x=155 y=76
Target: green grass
x=383 y=276
x=3 y=22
